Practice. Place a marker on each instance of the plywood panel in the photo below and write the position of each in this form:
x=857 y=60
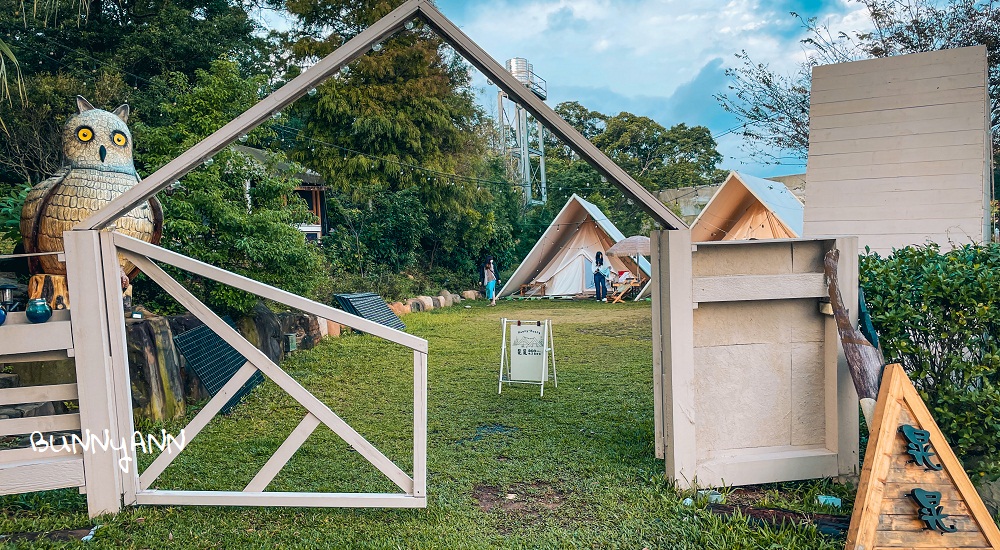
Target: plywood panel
x=902 y=211
x=896 y=115
x=892 y=89
x=912 y=169
x=769 y=322
x=753 y=404
x=953 y=56
x=899 y=150
x=935 y=153
x=971 y=122
x=867 y=105
x=895 y=143
x=808 y=374
x=761 y=259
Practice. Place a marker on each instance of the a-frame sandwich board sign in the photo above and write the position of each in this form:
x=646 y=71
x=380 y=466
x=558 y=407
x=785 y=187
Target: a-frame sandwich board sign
x=913 y=491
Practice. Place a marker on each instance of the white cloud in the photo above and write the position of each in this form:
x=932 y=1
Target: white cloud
x=640 y=46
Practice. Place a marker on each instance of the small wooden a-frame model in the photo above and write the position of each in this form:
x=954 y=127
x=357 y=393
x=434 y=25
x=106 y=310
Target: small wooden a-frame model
x=913 y=492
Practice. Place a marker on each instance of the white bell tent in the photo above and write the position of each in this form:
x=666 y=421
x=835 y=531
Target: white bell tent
x=562 y=261
x=746 y=208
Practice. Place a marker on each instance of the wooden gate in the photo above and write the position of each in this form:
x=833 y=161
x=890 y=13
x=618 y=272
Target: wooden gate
x=98 y=330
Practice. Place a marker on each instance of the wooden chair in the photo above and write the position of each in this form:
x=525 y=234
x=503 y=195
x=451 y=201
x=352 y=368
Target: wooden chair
x=622 y=288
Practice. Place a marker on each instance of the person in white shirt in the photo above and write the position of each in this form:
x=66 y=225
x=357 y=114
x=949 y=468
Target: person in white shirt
x=602 y=270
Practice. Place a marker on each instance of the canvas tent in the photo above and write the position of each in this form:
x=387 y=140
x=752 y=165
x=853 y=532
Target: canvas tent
x=561 y=262
x=745 y=208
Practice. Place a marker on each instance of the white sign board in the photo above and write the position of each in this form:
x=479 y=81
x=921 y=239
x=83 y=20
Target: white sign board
x=529 y=356
x=527 y=353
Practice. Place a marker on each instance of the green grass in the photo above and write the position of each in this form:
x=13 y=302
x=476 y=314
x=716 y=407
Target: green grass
x=580 y=460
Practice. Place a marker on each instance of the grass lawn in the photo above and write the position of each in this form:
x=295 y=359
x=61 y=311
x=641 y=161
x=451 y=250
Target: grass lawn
x=573 y=469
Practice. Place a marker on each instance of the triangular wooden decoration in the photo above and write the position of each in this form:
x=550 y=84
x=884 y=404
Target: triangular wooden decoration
x=913 y=491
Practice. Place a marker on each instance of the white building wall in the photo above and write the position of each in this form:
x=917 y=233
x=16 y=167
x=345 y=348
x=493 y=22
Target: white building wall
x=899 y=150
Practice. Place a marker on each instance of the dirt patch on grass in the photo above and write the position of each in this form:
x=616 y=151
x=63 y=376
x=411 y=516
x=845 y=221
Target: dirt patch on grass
x=750 y=495
x=521 y=499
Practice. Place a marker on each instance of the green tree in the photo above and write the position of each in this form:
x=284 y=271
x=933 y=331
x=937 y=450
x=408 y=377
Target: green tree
x=394 y=126
x=774 y=108
x=659 y=158
x=234 y=213
x=109 y=52
x=7 y=55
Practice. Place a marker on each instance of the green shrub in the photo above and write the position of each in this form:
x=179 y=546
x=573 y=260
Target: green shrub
x=11 y=202
x=939 y=316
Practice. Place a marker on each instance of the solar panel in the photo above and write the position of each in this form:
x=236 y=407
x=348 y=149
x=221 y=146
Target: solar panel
x=214 y=361
x=371 y=306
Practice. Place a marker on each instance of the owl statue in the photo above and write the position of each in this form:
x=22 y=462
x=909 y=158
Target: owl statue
x=98 y=150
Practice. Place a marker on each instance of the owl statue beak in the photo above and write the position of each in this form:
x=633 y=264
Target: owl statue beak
x=104 y=152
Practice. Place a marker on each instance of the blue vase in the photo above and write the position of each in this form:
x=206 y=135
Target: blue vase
x=3 y=315
x=38 y=310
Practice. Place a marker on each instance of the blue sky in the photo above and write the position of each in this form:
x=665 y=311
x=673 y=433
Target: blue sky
x=664 y=59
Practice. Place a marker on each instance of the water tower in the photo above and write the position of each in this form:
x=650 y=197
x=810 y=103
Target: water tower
x=522 y=138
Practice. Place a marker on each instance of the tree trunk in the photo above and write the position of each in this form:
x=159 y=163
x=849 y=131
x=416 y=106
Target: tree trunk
x=52 y=288
x=863 y=359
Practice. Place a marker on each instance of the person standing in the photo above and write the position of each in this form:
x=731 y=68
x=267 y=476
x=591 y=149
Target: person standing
x=602 y=270
x=490 y=280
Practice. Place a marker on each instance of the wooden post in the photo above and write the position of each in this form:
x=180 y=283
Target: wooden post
x=419 y=424
x=673 y=303
x=92 y=344
x=654 y=251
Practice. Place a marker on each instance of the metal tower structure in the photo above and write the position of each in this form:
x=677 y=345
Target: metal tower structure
x=522 y=137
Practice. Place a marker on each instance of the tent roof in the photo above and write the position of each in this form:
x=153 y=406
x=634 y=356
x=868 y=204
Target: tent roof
x=785 y=206
x=575 y=211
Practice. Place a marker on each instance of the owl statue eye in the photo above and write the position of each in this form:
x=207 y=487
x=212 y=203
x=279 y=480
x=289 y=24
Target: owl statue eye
x=84 y=134
x=119 y=139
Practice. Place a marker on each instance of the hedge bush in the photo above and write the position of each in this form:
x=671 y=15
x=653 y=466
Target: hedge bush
x=938 y=314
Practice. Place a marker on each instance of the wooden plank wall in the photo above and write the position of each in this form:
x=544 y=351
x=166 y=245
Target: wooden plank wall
x=899 y=150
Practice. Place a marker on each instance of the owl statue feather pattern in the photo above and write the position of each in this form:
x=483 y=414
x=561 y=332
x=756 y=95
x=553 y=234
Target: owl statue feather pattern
x=97 y=146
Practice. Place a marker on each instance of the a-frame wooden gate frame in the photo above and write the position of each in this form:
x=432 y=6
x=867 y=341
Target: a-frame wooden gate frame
x=99 y=329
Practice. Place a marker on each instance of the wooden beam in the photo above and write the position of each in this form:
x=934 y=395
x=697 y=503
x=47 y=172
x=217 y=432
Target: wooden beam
x=252 y=117
x=343 y=55
x=677 y=349
x=119 y=362
x=52 y=423
x=271 y=293
x=275 y=498
x=198 y=423
x=419 y=424
x=734 y=288
x=85 y=266
x=283 y=454
x=41 y=475
x=22 y=336
x=35 y=394
x=10 y=457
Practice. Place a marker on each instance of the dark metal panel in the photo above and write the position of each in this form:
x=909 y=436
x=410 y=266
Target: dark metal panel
x=371 y=306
